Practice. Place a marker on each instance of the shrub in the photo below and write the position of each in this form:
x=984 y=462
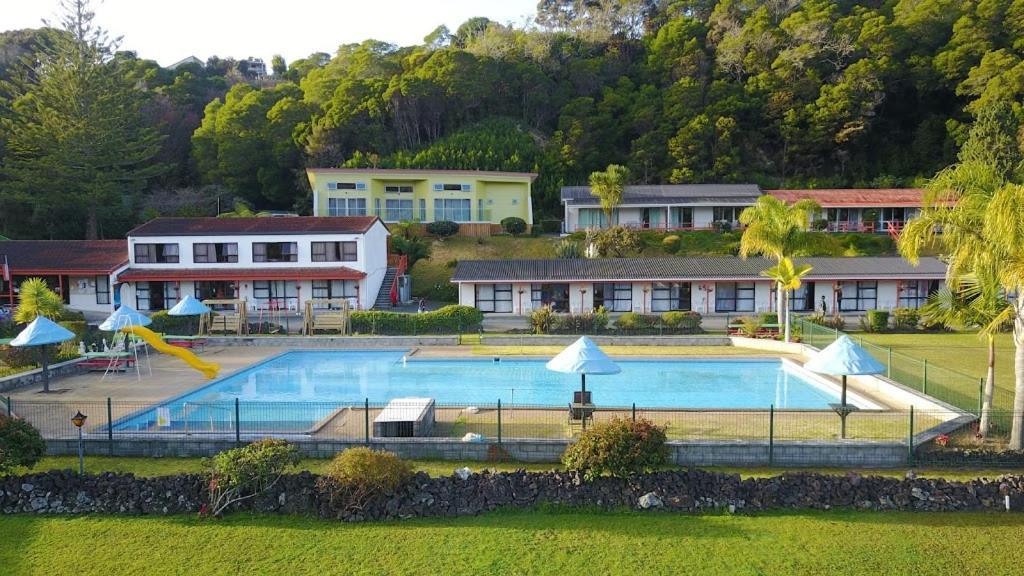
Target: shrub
x=568 y=249
x=749 y=326
x=628 y=321
x=242 y=473
x=69 y=348
x=768 y=318
x=164 y=323
x=877 y=320
x=513 y=225
x=20 y=444
x=620 y=447
x=551 y=226
x=358 y=474
x=722 y=226
x=906 y=318
x=671 y=243
x=442 y=229
x=820 y=224
x=835 y=321
x=451 y=319
x=451 y=264
x=14 y=357
x=542 y=320
x=677 y=320
x=584 y=323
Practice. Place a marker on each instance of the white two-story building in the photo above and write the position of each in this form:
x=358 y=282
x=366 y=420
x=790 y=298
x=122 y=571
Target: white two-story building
x=271 y=263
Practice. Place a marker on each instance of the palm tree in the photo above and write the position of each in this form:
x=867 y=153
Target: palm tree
x=777 y=230
x=608 y=186
x=36 y=299
x=977 y=303
x=788 y=277
x=976 y=217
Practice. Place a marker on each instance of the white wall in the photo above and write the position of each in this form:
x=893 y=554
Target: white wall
x=373 y=257
x=82 y=295
x=703 y=216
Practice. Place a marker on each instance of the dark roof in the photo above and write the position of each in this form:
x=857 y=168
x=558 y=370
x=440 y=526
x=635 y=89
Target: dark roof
x=671 y=193
x=306 y=273
x=258 y=225
x=687 y=268
x=484 y=174
x=64 y=256
x=859 y=197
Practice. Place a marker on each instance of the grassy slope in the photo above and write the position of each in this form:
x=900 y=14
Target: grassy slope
x=520 y=543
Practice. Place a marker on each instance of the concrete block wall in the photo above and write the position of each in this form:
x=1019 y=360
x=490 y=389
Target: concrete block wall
x=35 y=377
x=334 y=341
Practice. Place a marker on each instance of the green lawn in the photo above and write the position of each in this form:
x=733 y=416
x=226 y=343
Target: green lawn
x=167 y=466
x=521 y=542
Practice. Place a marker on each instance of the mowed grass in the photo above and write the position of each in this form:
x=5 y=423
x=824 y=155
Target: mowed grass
x=520 y=542
x=437 y=468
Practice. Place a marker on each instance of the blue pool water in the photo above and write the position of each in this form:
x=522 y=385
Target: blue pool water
x=297 y=389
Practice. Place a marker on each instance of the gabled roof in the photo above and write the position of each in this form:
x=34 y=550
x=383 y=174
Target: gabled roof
x=484 y=174
x=64 y=256
x=670 y=193
x=255 y=226
x=855 y=197
x=688 y=268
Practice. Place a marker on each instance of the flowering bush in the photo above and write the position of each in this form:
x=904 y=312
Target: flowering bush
x=620 y=447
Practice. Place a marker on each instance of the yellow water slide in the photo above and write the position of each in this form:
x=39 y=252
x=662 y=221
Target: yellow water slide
x=209 y=369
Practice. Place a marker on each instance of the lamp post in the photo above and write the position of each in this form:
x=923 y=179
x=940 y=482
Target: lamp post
x=79 y=420
x=647 y=289
x=583 y=294
x=521 y=301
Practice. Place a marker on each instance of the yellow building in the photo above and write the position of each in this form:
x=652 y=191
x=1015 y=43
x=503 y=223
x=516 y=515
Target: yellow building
x=463 y=196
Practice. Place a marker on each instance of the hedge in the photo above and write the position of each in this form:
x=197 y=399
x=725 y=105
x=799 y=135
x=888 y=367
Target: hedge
x=451 y=319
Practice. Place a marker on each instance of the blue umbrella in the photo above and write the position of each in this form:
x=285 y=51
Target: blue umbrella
x=188 y=306
x=40 y=332
x=842 y=358
x=123 y=317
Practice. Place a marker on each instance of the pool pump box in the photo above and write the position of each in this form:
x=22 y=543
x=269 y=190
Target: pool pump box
x=405 y=418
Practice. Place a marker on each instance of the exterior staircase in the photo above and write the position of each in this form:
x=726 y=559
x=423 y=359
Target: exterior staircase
x=383 y=301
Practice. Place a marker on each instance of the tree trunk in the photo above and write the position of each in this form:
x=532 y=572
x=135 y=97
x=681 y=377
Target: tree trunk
x=990 y=383
x=778 y=303
x=1017 y=430
x=91 y=227
x=785 y=316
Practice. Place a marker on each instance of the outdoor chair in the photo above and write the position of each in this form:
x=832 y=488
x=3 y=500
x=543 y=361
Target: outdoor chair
x=580 y=415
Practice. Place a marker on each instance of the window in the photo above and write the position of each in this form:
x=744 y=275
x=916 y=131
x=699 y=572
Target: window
x=734 y=297
x=666 y=296
x=216 y=290
x=341 y=185
x=840 y=215
x=325 y=289
x=454 y=209
x=494 y=297
x=554 y=295
x=335 y=252
x=398 y=189
x=591 y=218
x=802 y=299
x=219 y=252
x=614 y=297
x=726 y=213
x=423 y=210
x=275 y=252
x=914 y=293
x=155 y=295
x=275 y=294
x=454 y=187
x=858 y=296
x=156 y=253
x=681 y=217
x=103 y=289
x=397 y=210
x=346 y=206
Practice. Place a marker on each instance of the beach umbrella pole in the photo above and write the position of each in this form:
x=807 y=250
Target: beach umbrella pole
x=46 y=370
x=842 y=411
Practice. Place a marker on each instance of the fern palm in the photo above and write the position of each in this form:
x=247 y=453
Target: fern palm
x=788 y=277
x=36 y=299
x=609 y=186
x=777 y=230
x=976 y=217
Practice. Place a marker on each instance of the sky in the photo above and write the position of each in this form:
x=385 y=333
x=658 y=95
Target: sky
x=169 y=30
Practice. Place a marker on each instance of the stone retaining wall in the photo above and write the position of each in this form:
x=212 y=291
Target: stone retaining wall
x=36 y=376
x=707 y=453
x=64 y=492
x=335 y=341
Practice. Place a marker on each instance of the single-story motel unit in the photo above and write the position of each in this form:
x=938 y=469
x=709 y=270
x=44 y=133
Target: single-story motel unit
x=712 y=285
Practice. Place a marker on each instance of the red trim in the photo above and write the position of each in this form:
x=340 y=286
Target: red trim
x=331 y=273
x=63 y=271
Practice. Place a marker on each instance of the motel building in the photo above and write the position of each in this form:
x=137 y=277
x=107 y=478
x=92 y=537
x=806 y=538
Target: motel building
x=708 y=285
x=271 y=263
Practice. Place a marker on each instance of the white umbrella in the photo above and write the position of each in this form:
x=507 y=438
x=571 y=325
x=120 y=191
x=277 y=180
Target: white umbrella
x=583 y=357
x=188 y=306
x=123 y=317
x=843 y=358
x=41 y=332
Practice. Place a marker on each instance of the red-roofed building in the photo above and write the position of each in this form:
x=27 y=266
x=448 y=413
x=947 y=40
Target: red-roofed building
x=883 y=210
x=81 y=271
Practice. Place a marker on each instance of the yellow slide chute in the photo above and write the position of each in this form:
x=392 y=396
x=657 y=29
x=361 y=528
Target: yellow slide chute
x=209 y=369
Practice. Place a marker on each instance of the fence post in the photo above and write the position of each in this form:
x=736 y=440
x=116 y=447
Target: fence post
x=888 y=367
x=366 y=421
x=634 y=412
x=110 y=427
x=238 y=428
x=771 y=434
x=499 y=421
x=924 y=387
x=910 y=438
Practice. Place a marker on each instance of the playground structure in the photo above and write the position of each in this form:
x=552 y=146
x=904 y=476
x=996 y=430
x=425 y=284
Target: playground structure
x=327 y=315
x=208 y=369
x=232 y=321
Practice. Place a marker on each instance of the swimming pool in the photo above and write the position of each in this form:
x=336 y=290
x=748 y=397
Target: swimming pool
x=293 y=390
